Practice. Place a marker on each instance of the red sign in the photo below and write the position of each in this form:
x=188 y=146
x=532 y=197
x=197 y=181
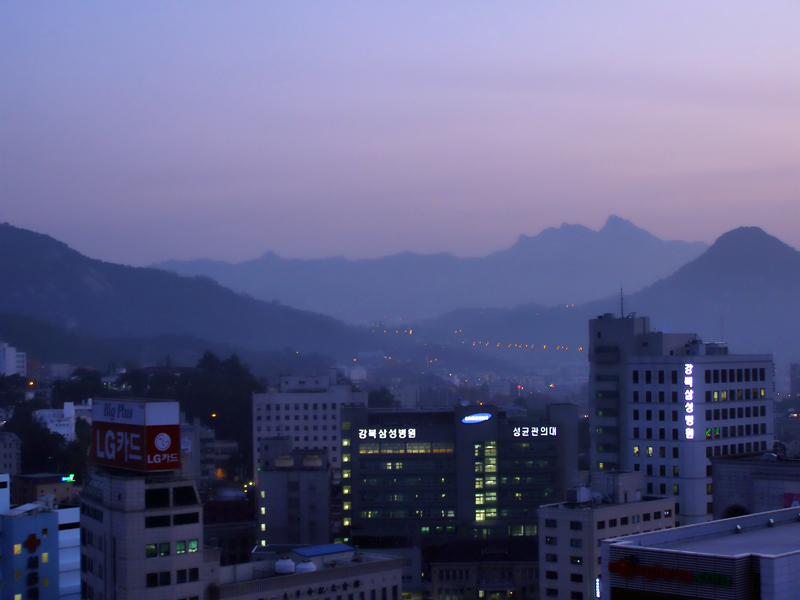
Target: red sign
x=137 y=447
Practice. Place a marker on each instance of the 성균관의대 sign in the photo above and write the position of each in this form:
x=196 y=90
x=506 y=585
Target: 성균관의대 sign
x=141 y=436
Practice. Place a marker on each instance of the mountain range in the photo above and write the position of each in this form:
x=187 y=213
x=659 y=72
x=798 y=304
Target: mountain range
x=743 y=290
x=571 y=264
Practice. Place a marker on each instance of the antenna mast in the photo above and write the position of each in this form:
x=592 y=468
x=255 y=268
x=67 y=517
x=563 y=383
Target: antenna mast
x=621 y=305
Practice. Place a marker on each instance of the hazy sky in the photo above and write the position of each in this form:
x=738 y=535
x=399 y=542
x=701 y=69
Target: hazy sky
x=141 y=131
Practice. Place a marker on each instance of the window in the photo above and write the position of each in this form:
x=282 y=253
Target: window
x=648 y=377
x=551 y=540
x=550 y=523
x=152 y=580
x=551 y=593
x=151 y=551
x=163 y=549
x=575 y=525
x=551 y=558
x=162 y=521
x=551 y=574
x=180 y=547
x=192 y=545
x=180 y=576
x=194 y=574
x=576 y=543
x=601 y=524
x=576 y=595
x=575 y=560
x=635 y=376
x=576 y=578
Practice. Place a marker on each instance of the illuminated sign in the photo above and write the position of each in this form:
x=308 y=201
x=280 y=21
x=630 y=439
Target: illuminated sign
x=476 y=418
x=383 y=434
x=70 y=478
x=688 y=399
x=142 y=436
x=534 y=431
x=628 y=567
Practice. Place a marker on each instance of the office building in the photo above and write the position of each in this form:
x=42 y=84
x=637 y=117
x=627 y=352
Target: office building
x=664 y=404
x=427 y=477
x=294 y=495
x=29 y=488
x=306 y=409
x=569 y=532
x=141 y=522
x=754 y=556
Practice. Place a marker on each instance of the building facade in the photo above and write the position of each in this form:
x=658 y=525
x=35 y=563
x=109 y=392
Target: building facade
x=570 y=532
x=10 y=453
x=12 y=362
x=664 y=404
x=307 y=410
x=754 y=556
x=427 y=477
x=294 y=498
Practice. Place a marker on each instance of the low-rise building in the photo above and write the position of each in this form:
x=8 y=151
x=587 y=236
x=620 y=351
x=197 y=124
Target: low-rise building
x=570 y=532
x=312 y=573
x=63 y=420
x=29 y=488
x=753 y=556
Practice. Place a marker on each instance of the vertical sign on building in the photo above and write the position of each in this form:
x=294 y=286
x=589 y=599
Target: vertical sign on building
x=688 y=399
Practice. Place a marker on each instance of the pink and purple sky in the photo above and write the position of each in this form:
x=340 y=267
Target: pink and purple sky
x=142 y=131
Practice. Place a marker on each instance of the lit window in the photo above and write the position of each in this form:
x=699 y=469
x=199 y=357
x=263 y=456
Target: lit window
x=180 y=547
x=650 y=451
x=45 y=557
x=17 y=548
x=192 y=545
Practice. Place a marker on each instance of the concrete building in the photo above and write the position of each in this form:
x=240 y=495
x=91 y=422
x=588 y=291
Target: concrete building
x=569 y=532
x=312 y=573
x=754 y=556
x=753 y=483
x=427 y=477
x=203 y=456
x=62 y=420
x=307 y=409
x=485 y=569
x=29 y=488
x=11 y=361
x=664 y=404
x=294 y=499
x=10 y=453
x=29 y=547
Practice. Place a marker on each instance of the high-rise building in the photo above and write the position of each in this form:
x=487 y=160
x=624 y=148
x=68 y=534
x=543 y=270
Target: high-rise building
x=11 y=361
x=428 y=477
x=664 y=403
x=305 y=409
x=141 y=522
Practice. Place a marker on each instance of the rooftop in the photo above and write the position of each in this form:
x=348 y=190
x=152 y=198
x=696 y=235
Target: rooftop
x=323 y=550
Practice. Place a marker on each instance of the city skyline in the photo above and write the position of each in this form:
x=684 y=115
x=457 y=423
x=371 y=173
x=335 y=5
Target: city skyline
x=139 y=133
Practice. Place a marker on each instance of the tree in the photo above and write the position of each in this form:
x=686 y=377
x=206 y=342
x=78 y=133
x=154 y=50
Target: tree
x=381 y=398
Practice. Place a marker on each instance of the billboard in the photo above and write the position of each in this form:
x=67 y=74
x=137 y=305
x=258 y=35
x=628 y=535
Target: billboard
x=137 y=435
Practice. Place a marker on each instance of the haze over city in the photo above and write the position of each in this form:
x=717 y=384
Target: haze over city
x=143 y=132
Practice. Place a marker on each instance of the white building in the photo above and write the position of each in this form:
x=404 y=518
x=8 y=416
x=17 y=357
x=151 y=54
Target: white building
x=62 y=420
x=663 y=404
x=11 y=361
x=307 y=409
x=570 y=532
x=755 y=556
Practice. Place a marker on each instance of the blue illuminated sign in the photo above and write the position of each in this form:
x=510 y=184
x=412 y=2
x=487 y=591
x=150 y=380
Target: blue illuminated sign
x=476 y=418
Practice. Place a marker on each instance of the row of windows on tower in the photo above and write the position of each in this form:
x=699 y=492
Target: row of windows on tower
x=710 y=396
x=711 y=375
x=733 y=431
x=742 y=412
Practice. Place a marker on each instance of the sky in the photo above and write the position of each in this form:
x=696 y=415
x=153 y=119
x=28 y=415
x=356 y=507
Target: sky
x=143 y=131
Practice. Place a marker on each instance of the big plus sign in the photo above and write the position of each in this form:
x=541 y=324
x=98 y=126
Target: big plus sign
x=32 y=543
